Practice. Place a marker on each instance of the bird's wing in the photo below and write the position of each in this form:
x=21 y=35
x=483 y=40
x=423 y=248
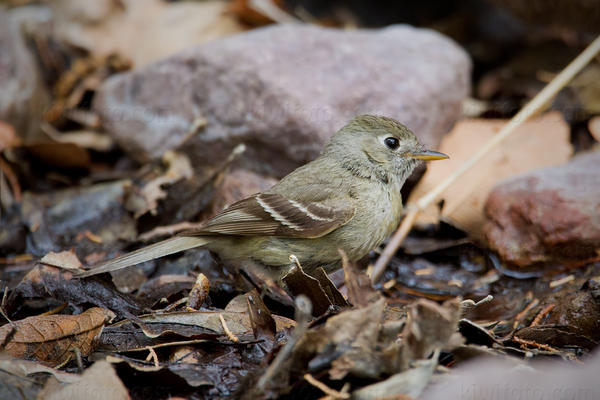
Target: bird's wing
x=276 y=215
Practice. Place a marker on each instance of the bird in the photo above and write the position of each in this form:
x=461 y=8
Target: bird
x=348 y=198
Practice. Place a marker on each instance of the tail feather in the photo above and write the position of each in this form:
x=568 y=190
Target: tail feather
x=147 y=253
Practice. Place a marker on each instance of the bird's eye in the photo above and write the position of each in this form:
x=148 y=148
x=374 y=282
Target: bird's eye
x=391 y=142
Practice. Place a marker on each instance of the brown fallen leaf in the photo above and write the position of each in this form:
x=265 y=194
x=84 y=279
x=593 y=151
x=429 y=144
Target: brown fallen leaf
x=64 y=259
x=27 y=369
x=178 y=167
x=594 y=127
x=263 y=324
x=318 y=288
x=204 y=324
x=245 y=12
x=539 y=143
x=100 y=381
x=49 y=339
x=62 y=155
x=44 y=282
x=199 y=293
x=429 y=326
x=358 y=284
x=8 y=137
x=145 y=30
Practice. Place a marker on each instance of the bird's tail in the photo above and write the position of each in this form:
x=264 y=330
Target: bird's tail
x=156 y=250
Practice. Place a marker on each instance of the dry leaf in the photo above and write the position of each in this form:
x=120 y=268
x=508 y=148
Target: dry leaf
x=178 y=167
x=208 y=323
x=248 y=14
x=45 y=281
x=26 y=368
x=87 y=140
x=62 y=155
x=594 y=127
x=8 y=137
x=318 y=288
x=50 y=338
x=64 y=259
x=142 y=30
x=539 y=143
x=199 y=293
x=100 y=381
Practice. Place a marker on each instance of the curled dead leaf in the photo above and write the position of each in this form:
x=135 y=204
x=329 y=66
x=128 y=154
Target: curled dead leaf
x=50 y=338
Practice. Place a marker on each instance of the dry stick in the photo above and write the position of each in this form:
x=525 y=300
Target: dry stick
x=536 y=105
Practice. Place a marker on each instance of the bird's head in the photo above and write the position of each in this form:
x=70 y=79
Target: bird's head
x=380 y=143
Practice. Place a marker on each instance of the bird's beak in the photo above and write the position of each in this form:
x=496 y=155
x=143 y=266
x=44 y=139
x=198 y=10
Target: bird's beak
x=428 y=155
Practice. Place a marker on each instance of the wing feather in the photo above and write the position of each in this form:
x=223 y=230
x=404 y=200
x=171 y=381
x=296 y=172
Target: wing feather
x=273 y=214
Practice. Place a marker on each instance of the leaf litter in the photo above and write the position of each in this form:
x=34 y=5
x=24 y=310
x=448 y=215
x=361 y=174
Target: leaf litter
x=244 y=336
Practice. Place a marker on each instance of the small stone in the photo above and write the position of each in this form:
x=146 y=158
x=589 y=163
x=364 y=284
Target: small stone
x=548 y=215
x=284 y=90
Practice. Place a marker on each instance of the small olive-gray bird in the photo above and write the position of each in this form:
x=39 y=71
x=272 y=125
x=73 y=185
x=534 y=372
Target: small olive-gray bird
x=348 y=198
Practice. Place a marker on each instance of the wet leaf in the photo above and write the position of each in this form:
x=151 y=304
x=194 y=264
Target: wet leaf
x=556 y=336
x=50 y=338
x=319 y=289
x=46 y=282
x=263 y=324
x=163 y=286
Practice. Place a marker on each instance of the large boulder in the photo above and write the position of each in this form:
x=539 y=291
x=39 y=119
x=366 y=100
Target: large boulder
x=549 y=215
x=283 y=90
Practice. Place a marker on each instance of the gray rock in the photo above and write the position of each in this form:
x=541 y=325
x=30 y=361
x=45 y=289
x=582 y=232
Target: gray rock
x=23 y=94
x=549 y=215
x=283 y=90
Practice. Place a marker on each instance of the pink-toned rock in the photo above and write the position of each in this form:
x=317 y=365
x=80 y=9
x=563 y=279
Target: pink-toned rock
x=283 y=90
x=549 y=215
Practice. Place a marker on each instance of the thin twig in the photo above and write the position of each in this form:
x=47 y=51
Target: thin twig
x=561 y=281
x=535 y=106
x=545 y=311
x=13 y=181
x=324 y=388
x=524 y=312
x=2 y=312
x=533 y=343
x=152 y=356
x=228 y=332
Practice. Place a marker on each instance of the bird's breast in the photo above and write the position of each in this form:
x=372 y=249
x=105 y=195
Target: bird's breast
x=378 y=212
